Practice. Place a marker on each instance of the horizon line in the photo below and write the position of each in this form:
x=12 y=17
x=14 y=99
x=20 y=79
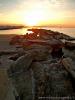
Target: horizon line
x=54 y=25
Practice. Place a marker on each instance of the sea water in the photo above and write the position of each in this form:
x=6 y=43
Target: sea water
x=68 y=31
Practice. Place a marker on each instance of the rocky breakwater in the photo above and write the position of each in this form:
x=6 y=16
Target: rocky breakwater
x=43 y=70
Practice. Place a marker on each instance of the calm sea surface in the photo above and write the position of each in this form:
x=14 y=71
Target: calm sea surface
x=68 y=31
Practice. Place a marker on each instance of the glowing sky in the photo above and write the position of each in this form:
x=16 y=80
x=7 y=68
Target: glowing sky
x=43 y=12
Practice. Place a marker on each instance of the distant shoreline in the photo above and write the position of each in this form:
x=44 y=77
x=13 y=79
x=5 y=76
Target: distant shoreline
x=20 y=27
x=9 y=28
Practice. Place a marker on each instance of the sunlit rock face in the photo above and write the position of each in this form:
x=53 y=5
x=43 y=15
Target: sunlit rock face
x=15 y=40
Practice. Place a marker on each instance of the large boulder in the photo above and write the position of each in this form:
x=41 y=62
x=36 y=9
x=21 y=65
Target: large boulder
x=50 y=79
x=40 y=54
x=68 y=53
x=20 y=52
x=21 y=64
x=69 y=66
x=16 y=40
x=20 y=76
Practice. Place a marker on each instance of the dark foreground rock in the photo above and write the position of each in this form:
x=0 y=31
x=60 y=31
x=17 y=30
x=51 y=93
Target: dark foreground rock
x=43 y=69
x=70 y=45
x=47 y=79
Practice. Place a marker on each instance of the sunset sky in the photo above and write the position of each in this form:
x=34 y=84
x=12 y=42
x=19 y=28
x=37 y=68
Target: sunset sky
x=38 y=12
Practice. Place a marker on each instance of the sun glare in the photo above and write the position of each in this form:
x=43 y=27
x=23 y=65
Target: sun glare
x=31 y=20
x=39 y=15
x=34 y=16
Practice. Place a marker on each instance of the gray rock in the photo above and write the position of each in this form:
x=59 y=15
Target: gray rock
x=51 y=79
x=36 y=74
x=20 y=76
x=69 y=66
x=70 y=45
x=21 y=64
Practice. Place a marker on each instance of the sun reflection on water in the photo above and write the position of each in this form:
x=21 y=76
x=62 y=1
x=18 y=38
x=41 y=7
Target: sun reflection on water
x=23 y=31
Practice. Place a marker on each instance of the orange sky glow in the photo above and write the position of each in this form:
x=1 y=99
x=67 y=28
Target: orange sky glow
x=39 y=12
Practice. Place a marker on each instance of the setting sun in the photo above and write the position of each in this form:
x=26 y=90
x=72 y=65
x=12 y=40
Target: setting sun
x=32 y=19
x=34 y=16
x=39 y=15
